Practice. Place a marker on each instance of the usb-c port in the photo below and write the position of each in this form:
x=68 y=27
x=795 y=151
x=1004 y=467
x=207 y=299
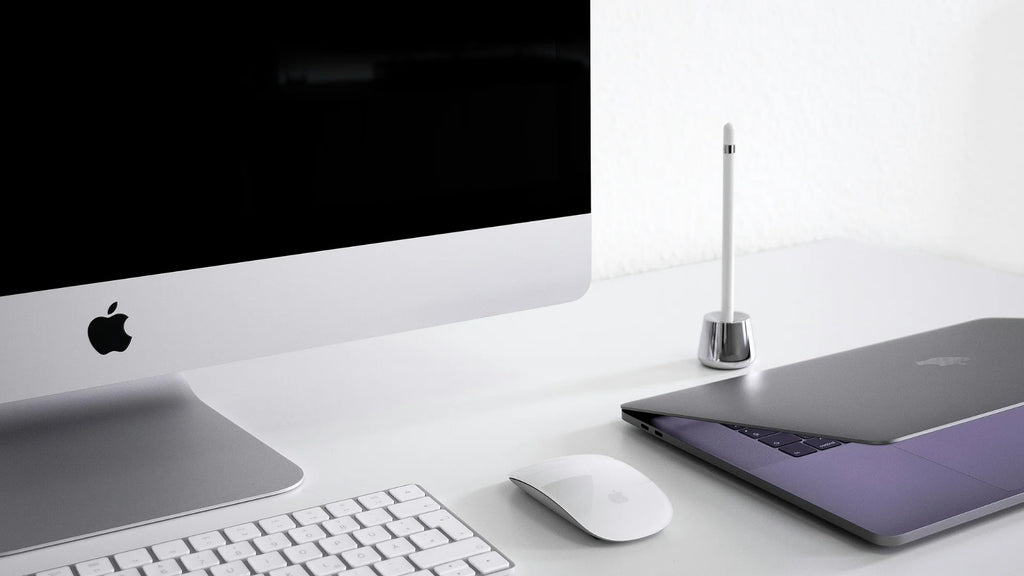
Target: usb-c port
x=645 y=427
x=657 y=433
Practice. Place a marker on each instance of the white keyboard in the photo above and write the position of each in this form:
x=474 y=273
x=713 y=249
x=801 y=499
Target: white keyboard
x=396 y=532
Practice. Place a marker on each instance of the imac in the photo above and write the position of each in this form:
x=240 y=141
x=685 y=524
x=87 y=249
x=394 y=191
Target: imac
x=195 y=188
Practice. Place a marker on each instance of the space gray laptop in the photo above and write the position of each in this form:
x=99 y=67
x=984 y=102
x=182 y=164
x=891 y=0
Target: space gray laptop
x=893 y=441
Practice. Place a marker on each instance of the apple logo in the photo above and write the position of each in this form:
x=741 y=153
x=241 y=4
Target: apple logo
x=617 y=497
x=106 y=333
x=945 y=361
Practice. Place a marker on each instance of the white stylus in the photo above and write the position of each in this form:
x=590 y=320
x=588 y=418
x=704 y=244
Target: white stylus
x=726 y=342
x=728 y=150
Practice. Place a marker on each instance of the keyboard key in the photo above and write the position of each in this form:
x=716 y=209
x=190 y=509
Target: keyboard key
x=272 y=542
x=200 y=560
x=489 y=563
x=342 y=525
x=135 y=572
x=290 y=571
x=456 y=530
x=394 y=567
x=396 y=547
x=368 y=536
x=404 y=527
x=207 y=541
x=822 y=443
x=310 y=516
x=162 y=568
x=344 y=508
x=326 y=566
x=806 y=436
x=302 y=553
x=406 y=493
x=429 y=539
x=414 y=507
x=267 y=562
x=231 y=569
x=364 y=571
x=780 y=439
x=435 y=519
x=374 y=517
x=133 y=559
x=172 y=549
x=445 y=521
x=456 y=568
x=361 y=556
x=64 y=571
x=798 y=450
x=733 y=426
x=239 y=551
x=375 y=500
x=757 y=432
x=242 y=532
x=277 y=524
x=454 y=551
x=96 y=567
x=338 y=544
x=304 y=534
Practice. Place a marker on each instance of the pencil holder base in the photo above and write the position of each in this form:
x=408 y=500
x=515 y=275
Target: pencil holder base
x=726 y=345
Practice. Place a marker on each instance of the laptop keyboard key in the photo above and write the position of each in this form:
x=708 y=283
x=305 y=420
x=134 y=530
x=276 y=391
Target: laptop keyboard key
x=798 y=450
x=757 y=432
x=822 y=443
x=780 y=439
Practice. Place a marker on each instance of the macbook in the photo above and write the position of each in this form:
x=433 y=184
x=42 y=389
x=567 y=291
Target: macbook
x=892 y=442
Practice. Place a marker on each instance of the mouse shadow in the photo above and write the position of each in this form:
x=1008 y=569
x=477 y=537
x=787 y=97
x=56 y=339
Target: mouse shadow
x=531 y=525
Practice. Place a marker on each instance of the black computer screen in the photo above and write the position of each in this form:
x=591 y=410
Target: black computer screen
x=157 y=139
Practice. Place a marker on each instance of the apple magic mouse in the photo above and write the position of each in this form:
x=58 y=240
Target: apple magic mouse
x=604 y=497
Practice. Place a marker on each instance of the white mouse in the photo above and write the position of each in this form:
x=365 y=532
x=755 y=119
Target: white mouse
x=604 y=497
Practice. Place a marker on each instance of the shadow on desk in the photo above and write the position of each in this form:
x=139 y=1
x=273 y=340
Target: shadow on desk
x=636 y=383
x=688 y=370
x=538 y=527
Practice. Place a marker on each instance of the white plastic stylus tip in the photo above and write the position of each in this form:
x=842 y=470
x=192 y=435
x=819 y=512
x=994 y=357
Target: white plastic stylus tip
x=728 y=134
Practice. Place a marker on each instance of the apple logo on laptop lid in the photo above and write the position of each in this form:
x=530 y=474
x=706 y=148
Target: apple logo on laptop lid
x=945 y=361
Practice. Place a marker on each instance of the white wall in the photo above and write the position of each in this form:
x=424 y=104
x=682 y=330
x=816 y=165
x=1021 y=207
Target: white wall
x=898 y=122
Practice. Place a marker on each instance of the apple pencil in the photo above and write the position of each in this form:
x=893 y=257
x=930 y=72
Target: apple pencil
x=726 y=342
x=729 y=150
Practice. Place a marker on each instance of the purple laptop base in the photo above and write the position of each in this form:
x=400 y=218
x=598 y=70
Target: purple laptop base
x=887 y=494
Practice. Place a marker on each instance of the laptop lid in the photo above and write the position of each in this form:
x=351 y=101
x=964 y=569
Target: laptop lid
x=877 y=394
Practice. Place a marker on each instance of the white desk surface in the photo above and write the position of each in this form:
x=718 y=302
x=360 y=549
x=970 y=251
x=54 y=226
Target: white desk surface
x=457 y=407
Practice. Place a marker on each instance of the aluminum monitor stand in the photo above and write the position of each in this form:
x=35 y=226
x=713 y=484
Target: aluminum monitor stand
x=84 y=463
